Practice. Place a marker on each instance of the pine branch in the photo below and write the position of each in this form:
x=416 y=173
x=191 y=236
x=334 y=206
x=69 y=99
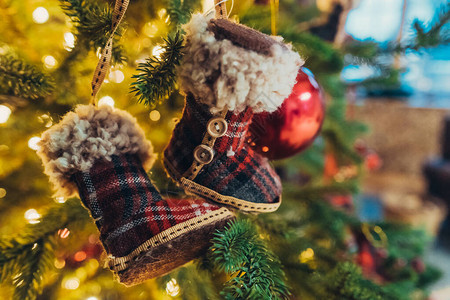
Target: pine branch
x=347 y=282
x=25 y=259
x=157 y=77
x=20 y=79
x=40 y=258
x=332 y=225
x=92 y=24
x=340 y=132
x=364 y=52
x=404 y=241
x=180 y=11
x=194 y=283
x=256 y=271
x=434 y=35
x=318 y=192
x=319 y=56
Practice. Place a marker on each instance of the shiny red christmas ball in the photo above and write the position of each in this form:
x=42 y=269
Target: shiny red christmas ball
x=295 y=125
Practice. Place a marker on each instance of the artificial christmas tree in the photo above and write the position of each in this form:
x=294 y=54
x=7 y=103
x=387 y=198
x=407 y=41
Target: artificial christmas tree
x=48 y=51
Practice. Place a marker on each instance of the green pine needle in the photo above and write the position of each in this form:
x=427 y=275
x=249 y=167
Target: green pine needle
x=434 y=35
x=40 y=258
x=256 y=272
x=92 y=24
x=157 y=77
x=347 y=282
x=25 y=260
x=180 y=11
x=194 y=283
x=17 y=78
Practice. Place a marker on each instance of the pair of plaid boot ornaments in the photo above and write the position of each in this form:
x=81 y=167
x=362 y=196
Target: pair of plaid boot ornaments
x=228 y=73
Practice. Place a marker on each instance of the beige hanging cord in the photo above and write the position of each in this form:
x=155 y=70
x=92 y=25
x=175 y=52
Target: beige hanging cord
x=105 y=58
x=221 y=9
x=274 y=11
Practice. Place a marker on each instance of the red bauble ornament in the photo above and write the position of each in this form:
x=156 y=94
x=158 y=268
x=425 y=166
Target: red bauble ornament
x=295 y=125
x=365 y=258
x=372 y=161
x=418 y=265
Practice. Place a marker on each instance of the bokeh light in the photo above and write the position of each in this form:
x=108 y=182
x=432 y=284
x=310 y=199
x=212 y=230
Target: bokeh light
x=106 y=100
x=63 y=233
x=157 y=51
x=49 y=61
x=69 y=41
x=172 y=288
x=60 y=199
x=155 y=115
x=40 y=15
x=116 y=76
x=32 y=216
x=59 y=263
x=162 y=12
x=33 y=143
x=5 y=112
x=71 y=283
x=2 y=193
x=306 y=255
x=80 y=256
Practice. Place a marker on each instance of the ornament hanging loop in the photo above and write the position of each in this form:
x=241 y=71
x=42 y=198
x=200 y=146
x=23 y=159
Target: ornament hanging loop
x=221 y=9
x=105 y=58
x=274 y=11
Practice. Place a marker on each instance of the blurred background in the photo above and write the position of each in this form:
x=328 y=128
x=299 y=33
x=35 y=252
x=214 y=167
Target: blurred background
x=382 y=158
x=409 y=122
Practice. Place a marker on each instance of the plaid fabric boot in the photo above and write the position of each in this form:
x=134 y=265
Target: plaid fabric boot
x=229 y=72
x=103 y=154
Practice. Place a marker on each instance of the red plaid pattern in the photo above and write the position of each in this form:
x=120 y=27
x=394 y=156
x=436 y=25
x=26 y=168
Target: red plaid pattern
x=236 y=170
x=189 y=132
x=234 y=139
x=246 y=175
x=127 y=208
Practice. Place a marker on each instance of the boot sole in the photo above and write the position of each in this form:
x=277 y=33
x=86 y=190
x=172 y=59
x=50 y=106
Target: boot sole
x=170 y=249
x=204 y=192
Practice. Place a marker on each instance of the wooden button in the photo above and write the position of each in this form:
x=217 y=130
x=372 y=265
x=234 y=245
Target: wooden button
x=203 y=154
x=217 y=127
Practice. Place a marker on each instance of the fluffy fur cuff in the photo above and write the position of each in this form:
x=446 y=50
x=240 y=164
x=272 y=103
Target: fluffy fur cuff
x=224 y=75
x=88 y=135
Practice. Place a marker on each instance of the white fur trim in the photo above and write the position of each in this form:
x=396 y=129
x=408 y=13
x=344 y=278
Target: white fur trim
x=244 y=77
x=85 y=136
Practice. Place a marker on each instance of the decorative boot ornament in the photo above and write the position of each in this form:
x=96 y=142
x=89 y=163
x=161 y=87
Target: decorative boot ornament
x=229 y=72
x=102 y=154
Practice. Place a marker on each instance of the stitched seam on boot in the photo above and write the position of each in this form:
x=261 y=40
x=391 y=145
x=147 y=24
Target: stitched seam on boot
x=228 y=200
x=120 y=264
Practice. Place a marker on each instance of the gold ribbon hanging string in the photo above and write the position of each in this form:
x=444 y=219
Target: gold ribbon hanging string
x=105 y=58
x=274 y=10
x=221 y=9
